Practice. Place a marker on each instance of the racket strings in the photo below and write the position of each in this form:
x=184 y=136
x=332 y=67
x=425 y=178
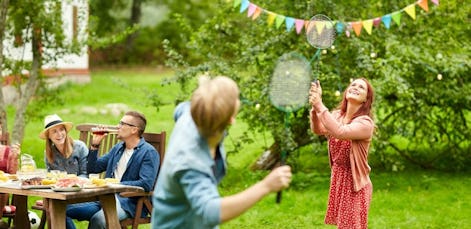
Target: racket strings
x=289 y=86
x=320 y=32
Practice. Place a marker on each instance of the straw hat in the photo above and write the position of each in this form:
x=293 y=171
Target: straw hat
x=52 y=121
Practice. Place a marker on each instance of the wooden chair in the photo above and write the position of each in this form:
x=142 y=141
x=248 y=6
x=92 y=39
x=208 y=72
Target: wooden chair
x=144 y=198
x=157 y=140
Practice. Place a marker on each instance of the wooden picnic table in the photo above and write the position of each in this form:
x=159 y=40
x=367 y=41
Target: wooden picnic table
x=56 y=202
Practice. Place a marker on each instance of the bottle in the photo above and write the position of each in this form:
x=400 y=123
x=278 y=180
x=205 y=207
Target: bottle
x=103 y=130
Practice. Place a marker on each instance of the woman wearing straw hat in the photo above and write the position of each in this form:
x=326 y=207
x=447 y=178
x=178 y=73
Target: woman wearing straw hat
x=62 y=152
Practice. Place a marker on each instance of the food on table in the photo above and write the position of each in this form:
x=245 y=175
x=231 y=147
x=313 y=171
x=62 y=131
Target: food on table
x=68 y=182
x=98 y=182
x=48 y=181
x=12 y=176
x=3 y=177
x=32 y=181
x=111 y=180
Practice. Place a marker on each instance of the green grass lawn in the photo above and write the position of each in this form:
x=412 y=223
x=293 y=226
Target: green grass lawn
x=408 y=199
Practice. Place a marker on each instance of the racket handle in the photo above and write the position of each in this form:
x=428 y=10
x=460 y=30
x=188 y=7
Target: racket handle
x=278 y=197
x=282 y=162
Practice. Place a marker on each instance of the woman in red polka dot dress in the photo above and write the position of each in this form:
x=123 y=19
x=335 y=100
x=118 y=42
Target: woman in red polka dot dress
x=349 y=130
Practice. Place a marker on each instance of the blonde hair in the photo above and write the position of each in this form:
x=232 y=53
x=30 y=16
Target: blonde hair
x=68 y=147
x=213 y=104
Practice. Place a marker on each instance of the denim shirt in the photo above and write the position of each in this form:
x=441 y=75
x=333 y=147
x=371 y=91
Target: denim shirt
x=141 y=170
x=186 y=193
x=75 y=164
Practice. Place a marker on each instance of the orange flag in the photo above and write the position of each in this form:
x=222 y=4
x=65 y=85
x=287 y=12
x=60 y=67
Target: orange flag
x=257 y=13
x=357 y=27
x=424 y=4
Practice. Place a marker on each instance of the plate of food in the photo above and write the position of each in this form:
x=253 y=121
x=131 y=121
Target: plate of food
x=34 y=183
x=68 y=184
x=66 y=189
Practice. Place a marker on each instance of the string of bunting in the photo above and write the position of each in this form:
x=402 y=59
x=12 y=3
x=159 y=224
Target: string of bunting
x=254 y=11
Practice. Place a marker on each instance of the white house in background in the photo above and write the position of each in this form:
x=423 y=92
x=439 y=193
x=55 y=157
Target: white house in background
x=69 y=67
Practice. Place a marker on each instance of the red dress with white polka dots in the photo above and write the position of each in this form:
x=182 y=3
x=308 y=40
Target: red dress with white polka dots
x=346 y=208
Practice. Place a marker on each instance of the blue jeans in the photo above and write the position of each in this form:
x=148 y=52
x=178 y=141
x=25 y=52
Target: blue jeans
x=91 y=211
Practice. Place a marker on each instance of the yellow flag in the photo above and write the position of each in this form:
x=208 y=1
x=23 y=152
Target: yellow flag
x=320 y=25
x=368 y=25
x=271 y=18
x=410 y=9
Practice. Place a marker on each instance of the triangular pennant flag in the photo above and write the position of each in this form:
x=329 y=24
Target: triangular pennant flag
x=348 y=29
x=271 y=18
x=424 y=4
x=308 y=24
x=339 y=27
x=320 y=25
x=435 y=2
x=257 y=13
x=237 y=3
x=279 y=20
x=299 y=25
x=252 y=8
x=410 y=9
x=368 y=25
x=377 y=22
x=244 y=5
x=357 y=27
x=329 y=25
x=289 y=21
x=396 y=16
x=386 y=19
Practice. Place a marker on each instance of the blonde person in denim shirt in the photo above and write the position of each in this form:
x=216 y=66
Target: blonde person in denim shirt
x=62 y=152
x=186 y=193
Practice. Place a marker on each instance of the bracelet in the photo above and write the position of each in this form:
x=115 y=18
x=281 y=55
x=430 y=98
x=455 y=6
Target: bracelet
x=96 y=146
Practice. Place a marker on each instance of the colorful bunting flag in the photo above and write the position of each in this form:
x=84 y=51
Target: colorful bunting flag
x=357 y=27
x=410 y=10
x=257 y=13
x=244 y=5
x=320 y=25
x=299 y=25
x=289 y=21
x=368 y=25
x=251 y=11
x=396 y=16
x=271 y=18
x=254 y=11
x=279 y=20
x=377 y=22
x=339 y=27
x=423 y=4
x=237 y=3
x=386 y=19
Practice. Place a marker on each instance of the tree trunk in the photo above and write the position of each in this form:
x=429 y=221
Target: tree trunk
x=271 y=157
x=136 y=13
x=3 y=113
x=30 y=89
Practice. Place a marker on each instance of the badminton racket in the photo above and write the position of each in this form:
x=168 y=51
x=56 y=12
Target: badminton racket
x=320 y=33
x=289 y=90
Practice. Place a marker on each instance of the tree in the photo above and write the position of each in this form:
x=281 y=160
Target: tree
x=419 y=67
x=38 y=24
